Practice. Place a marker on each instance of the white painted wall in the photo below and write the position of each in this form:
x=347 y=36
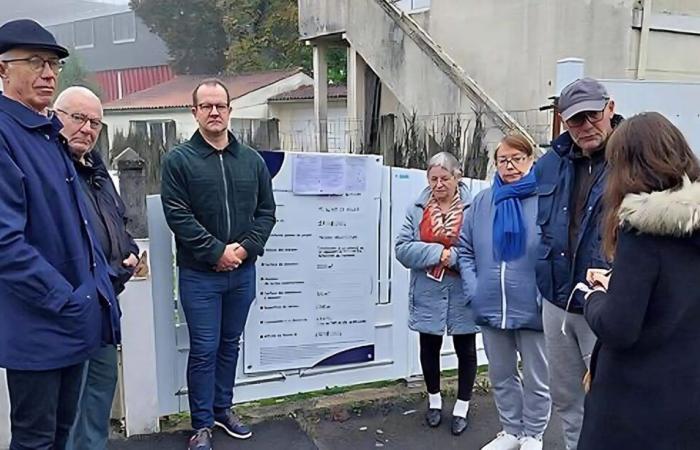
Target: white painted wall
x=297 y=125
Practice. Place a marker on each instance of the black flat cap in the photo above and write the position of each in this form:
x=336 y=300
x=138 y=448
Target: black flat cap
x=25 y=33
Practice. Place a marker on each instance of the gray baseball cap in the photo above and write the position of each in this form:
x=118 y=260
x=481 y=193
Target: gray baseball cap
x=585 y=94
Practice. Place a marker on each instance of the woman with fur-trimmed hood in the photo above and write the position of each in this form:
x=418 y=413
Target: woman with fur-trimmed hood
x=645 y=369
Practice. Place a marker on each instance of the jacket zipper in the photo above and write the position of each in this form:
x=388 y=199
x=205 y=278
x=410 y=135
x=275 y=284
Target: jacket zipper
x=228 y=211
x=504 y=302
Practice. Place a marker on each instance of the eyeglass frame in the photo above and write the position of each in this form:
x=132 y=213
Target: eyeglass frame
x=204 y=106
x=59 y=63
x=587 y=117
x=502 y=161
x=84 y=119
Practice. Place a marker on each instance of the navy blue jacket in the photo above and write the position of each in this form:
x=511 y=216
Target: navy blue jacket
x=645 y=367
x=54 y=282
x=559 y=268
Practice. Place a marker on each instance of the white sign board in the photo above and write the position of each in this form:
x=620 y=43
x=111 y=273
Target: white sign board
x=318 y=280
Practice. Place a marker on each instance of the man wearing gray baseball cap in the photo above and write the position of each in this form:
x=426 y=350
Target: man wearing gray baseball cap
x=571 y=181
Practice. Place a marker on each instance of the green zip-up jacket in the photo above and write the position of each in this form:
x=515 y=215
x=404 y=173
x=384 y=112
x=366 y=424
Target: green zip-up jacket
x=213 y=198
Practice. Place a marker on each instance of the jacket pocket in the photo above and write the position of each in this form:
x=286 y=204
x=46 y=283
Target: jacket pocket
x=545 y=203
x=544 y=270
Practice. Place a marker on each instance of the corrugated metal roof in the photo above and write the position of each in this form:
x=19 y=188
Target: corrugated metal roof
x=132 y=80
x=177 y=93
x=335 y=91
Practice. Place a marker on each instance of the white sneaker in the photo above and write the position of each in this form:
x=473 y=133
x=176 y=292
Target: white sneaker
x=503 y=441
x=530 y=443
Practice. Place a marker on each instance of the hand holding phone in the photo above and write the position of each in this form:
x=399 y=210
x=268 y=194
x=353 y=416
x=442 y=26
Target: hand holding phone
x=599 y=278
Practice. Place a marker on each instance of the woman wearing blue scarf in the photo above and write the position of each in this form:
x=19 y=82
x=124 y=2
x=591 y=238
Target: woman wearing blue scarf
x=497 y=254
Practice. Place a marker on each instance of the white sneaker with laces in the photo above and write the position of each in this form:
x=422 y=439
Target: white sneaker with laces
x=503 y=441
x=530 y=443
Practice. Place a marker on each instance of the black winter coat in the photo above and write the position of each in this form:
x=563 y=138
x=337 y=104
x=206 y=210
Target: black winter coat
x=107 y=215
x=645 y=392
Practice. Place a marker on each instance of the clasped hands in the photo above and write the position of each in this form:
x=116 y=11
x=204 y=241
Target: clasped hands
x=233 y=256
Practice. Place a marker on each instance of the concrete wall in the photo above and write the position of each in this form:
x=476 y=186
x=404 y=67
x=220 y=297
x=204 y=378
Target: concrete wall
x=399 y=62
x=322 y=17
x=511 y=47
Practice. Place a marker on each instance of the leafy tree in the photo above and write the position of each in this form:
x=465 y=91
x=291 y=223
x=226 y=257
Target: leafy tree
x=211 y=36
x=75 y=74
x=192 y=29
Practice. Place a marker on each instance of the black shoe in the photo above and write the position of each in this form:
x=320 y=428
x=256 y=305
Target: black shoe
x=433 y=417
x=201 y=440
x=232 y=425
x=459 y=424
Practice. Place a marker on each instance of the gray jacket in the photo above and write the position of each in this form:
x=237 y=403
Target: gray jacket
x=433 y=306
x=503 y=295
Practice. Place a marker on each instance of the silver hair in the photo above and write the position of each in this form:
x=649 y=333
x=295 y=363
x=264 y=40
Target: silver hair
x=447 y=161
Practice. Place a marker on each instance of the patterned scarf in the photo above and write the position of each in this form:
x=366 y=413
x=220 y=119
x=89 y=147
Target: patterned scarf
x=441 y=228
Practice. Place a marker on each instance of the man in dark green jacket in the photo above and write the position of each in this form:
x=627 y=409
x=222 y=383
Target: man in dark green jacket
x=218 y=201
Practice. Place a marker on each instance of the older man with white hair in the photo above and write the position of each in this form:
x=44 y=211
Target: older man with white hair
x=80 y=110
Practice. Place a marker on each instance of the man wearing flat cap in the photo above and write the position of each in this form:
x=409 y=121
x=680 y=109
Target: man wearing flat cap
x=571 y=181
x=57 y=305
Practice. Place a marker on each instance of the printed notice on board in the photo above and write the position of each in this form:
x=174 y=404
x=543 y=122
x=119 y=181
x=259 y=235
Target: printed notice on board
x=328 y=175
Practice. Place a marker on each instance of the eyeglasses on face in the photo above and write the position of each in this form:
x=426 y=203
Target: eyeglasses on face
x=517 y=161
x=590 y=116
x=81 y=119
x=208 y=108
x=37 y=63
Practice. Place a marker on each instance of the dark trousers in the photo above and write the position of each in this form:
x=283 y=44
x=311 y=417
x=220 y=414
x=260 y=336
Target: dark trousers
x=43 y=406
x=216 y=307
x=91 y=428
x=465 y=347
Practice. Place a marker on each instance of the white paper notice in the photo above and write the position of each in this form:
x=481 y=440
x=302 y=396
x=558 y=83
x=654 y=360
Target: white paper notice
x=328 y=175
x=316 y=283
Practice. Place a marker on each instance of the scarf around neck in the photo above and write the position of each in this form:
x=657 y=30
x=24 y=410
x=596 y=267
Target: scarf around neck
x=509 y=230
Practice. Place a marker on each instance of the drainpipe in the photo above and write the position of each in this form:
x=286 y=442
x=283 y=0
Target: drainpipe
x=644 y=41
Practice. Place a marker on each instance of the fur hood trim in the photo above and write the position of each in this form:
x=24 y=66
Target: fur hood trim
x=664 y=213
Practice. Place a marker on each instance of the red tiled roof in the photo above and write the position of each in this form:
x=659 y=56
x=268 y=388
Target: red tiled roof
x=335 y=91
x=177 y=93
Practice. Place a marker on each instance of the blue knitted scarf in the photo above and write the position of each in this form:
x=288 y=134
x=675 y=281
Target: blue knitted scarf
x=509 y=231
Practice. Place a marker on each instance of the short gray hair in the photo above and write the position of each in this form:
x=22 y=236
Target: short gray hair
x=447 y=161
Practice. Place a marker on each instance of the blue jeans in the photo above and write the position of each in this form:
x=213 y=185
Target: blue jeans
x=91 y=428
x=43 y=406
x=216 y=306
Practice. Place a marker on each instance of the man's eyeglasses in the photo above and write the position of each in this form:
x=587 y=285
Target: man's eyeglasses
x=82 y=119
x=517 y=161
x=590 y=116
x=37 y=63
x=208 y=108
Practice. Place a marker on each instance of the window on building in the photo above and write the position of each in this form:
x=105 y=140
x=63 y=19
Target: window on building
x=413 y=5
x=64 y=34
x=124 y=28
x=84 y=31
